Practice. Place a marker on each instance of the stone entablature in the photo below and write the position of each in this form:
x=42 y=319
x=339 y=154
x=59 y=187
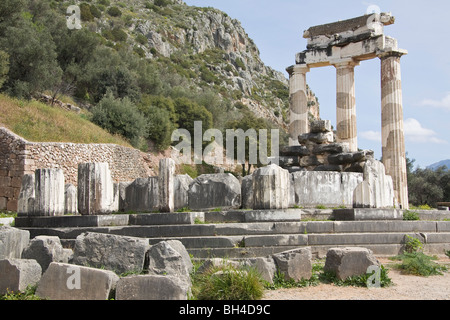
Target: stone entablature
x=344 y=45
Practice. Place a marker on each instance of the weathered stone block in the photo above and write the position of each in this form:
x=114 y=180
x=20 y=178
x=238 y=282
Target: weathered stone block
x=318 y=126
x=164 y=259
x=381 y=184
x=318 y=138
x=152 y=287
x=49 y=192
x=72 y=282
x=210 y=191
x=45 y=250
x=12 y=242
x=293 y=151
x=96 y=192
x=18 y=274
x=309 y=161
x=332 y=148
x=271 y=188
x=116 y=253
x=331 y=189
x=350 y=261
x=295 y=264
x=181 y=190
x=362 y=196
x=265 y=266
x=70 y=199
x=142 y=195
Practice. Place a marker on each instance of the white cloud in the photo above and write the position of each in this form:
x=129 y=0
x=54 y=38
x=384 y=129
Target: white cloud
x=443 y=103
x=416 y=133
x=371 y=135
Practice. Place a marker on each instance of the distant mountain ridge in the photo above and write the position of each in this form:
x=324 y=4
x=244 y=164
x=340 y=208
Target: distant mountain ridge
x=439 y=164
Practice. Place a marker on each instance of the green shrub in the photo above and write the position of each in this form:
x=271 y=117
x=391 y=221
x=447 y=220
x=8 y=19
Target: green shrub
x=120 y=116
x=119 y=35
x=418 y=263
x=411 y=215
x=114 y=12
x=228 y=283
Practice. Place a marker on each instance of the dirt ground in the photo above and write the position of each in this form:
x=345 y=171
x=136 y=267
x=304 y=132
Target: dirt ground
x=405 y=287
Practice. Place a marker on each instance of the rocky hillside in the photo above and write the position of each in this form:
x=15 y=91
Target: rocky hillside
x=205 y=45
x=142 y=68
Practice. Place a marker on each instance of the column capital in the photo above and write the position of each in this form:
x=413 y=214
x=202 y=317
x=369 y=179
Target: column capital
x=344 y=63
x=392 y=53
x=298 y=68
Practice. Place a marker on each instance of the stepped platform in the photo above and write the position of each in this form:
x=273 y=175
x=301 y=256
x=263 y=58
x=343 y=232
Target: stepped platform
x=254 y=233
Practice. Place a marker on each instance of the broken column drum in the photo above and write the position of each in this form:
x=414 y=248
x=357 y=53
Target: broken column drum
x=96 y=194
x=344 y=44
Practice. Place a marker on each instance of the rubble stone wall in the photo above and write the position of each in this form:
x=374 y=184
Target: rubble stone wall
x=19 y=157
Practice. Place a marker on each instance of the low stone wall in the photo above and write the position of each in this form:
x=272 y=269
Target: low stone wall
x=19 y=157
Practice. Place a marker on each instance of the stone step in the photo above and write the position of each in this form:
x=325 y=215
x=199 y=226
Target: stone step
x=318 y=251
x=144 y=219
x=345 y=239
x=257 y=228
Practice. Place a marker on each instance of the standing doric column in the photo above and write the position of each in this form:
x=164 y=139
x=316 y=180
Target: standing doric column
x=298 y=100
x=392 y=132
x=345 y=103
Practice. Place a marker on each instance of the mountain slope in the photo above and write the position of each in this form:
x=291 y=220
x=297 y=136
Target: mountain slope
x=143 y=68
x=439 y=164
x=204 y=45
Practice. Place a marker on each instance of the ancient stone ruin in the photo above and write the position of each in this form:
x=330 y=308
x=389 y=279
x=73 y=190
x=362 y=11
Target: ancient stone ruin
x=344 y=45
x=81 y=225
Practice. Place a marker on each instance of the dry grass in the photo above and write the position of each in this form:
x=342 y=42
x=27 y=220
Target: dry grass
x=38 y=122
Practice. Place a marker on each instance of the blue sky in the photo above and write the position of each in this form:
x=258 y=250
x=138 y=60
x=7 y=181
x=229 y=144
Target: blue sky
x=421 y=28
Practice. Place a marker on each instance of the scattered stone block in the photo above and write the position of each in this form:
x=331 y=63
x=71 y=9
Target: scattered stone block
x=12 y=242
x=45 y=250
x=164 y=259
x=181 y=249
x=294 y=151
x=49 y=192
x=152 y=287
x=116 y=253
x=349 y=261
x=318 y=126
x=71 y=282
x=333 y=148
x=96 y=192
x=17 y=274
x=264 y=265
x=271 y=188
x=70 y=199
x=295 y=264
x=166 y=181
x=211 y=191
